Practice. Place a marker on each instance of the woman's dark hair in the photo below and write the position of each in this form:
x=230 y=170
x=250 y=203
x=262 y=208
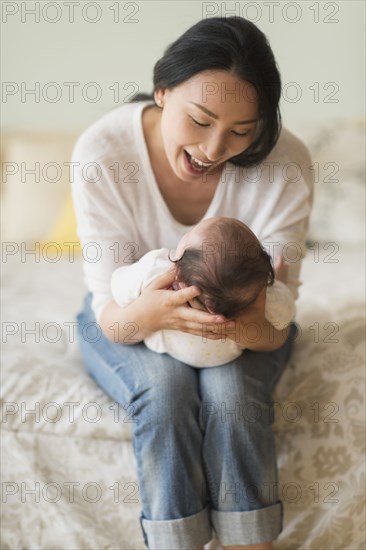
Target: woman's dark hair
x=237 y=46
x=229 y=269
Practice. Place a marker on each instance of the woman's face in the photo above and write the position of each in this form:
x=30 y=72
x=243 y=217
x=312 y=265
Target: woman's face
x=211 y=117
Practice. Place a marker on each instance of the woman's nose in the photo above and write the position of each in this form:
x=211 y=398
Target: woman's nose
x=214 y=149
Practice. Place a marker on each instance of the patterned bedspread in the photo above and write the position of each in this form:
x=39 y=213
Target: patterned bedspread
x=69 y=478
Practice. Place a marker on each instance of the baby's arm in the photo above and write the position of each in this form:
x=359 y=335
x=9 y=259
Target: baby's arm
x=128 y=281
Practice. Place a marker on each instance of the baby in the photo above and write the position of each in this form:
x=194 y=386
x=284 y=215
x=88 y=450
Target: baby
x=226 y=261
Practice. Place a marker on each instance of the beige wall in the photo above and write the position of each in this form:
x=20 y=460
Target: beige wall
x=318 y=46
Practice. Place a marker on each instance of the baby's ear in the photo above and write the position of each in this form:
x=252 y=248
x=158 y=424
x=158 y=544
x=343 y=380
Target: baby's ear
x=210 y=305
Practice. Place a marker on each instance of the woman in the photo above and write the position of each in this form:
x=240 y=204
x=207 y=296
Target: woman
x=207 y=142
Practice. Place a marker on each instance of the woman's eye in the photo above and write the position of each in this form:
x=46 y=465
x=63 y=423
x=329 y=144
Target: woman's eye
x=205 y=126
x=198 y=123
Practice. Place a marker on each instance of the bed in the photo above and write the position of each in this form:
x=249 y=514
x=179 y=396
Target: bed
x=68 y=469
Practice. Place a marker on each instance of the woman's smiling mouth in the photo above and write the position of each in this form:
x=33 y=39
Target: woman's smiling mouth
x=195 y=165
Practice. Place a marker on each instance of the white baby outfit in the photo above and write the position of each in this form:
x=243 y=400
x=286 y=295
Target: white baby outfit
x=128 y=281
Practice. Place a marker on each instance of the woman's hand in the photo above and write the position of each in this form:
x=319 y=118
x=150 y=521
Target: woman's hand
x=168 y=309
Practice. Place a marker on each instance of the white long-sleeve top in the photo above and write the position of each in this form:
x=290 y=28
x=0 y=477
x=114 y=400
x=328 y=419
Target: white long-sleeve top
x=128 y=281
x=121 y=214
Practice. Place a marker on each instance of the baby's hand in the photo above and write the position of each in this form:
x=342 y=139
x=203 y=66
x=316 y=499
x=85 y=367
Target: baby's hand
x=281 y=269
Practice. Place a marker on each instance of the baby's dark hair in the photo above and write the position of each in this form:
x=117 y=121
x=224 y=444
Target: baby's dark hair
x=229 y=269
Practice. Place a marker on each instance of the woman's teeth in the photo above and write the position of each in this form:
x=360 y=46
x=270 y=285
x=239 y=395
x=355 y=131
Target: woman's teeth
x=197 y=164
x=200 y=163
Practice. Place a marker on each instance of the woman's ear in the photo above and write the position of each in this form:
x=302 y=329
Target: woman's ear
x=159 y=96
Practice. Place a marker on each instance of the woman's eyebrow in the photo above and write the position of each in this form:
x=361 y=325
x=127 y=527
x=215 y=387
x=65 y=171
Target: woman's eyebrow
x=216 y=117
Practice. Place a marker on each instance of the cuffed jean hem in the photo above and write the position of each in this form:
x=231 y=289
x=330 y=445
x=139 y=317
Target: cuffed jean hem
x=253 y=527
x=178 y=534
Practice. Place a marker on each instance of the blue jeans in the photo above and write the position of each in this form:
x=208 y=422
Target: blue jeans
x=203 y=440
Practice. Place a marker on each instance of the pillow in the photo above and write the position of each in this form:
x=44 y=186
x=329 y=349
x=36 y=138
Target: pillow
x=63 y=234
x=337 y=148
x=33 y=203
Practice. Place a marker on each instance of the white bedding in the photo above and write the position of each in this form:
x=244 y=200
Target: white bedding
x=319 y=423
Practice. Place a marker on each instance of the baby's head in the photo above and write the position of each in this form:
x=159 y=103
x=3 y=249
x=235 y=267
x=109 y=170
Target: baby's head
x=226 y=261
